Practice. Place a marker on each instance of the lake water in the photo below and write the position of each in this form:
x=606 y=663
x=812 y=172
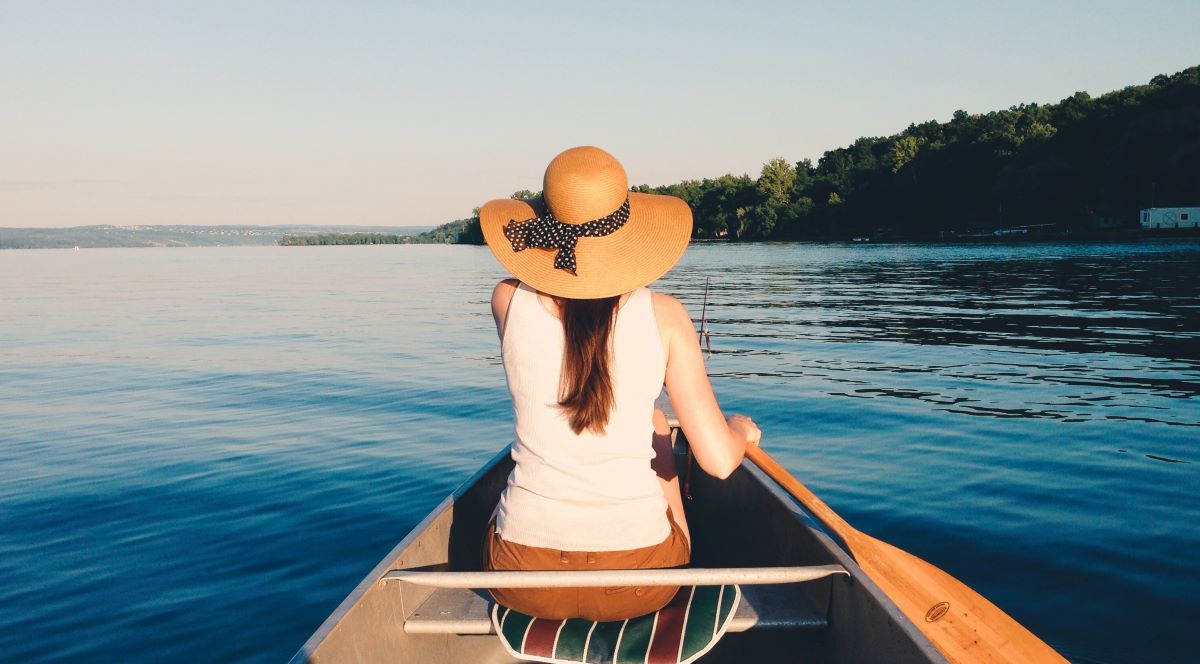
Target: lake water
x=203 y=450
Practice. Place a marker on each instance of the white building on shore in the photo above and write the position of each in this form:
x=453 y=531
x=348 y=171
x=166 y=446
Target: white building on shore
x=1170 y=218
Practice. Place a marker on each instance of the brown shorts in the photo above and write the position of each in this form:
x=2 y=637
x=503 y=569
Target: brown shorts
x=615 y=603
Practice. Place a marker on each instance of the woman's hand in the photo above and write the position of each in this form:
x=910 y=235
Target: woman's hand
x=745 y=428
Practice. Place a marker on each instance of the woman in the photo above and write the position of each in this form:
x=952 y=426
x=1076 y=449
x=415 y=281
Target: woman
x=587 y=349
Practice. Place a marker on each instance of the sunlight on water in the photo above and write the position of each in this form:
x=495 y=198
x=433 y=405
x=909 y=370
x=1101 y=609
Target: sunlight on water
x=203 y=450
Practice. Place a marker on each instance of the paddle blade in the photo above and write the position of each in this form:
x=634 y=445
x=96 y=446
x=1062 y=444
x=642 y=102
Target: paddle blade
x=963 y=624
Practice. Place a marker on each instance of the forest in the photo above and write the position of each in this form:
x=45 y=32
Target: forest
x=1083 y=166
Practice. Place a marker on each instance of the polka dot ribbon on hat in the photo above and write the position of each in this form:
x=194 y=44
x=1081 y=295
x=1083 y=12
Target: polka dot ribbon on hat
x=546 y=232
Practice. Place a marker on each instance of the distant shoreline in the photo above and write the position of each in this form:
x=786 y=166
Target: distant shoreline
x=404 y=240
x=175 y=235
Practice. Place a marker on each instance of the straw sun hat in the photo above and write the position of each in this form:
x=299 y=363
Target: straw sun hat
x=588 y=236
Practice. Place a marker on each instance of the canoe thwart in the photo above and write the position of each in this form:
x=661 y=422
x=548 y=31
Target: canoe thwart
x=763 y=607
x=616 y=577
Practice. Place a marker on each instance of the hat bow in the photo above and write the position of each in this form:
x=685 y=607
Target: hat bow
x=546 y=232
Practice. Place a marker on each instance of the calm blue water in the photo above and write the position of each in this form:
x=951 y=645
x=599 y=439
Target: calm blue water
x=203 y=450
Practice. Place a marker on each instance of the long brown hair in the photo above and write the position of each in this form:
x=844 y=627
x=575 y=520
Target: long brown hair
x=585 y=391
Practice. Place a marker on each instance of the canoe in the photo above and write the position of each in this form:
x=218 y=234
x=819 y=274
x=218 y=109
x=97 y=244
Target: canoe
x=745 y=527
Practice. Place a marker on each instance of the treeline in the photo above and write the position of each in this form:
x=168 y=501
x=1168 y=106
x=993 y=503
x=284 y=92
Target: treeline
x=459 y=231
x=462 y=231
x=1082 y=164
x=345 y=238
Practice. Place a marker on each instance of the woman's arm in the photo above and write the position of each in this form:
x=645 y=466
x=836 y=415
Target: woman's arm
x=719 y=444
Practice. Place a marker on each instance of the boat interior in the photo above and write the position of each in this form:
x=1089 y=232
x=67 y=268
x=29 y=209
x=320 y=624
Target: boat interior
x=744 y=521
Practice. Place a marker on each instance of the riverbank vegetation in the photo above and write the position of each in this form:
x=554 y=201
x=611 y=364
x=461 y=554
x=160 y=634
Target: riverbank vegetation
x=176 y=235
x=462 y=231
x=344 y=238
x=1083 y=165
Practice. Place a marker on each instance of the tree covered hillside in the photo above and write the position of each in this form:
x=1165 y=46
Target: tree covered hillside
x=1081 y=163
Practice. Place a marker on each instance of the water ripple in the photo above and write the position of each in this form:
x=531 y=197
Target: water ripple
x=203 y=450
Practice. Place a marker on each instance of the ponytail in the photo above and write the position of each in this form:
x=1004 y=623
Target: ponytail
x=586 y=391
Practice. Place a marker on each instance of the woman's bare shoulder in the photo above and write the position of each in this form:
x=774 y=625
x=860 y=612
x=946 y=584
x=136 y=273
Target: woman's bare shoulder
x=501 y=297
x=505 y=288
x=671 y=313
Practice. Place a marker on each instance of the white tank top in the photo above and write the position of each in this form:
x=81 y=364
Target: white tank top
x=582 y=492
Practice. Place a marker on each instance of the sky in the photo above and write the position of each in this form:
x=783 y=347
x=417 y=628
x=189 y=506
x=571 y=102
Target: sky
x=397 y=113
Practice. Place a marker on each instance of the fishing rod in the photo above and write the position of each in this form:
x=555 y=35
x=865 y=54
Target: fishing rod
x=706 y=338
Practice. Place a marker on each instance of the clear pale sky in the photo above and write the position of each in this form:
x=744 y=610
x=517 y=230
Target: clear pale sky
x=392 y=113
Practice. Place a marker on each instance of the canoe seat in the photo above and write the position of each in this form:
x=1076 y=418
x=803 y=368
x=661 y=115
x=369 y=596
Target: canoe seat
x=773 y=606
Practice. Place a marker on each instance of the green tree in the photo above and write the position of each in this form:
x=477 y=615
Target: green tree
x=806 y=175
x=904 y=149
x=776 y=181
x=716 y=212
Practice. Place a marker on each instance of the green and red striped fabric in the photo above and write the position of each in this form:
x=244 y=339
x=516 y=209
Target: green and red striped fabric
x=679 y=633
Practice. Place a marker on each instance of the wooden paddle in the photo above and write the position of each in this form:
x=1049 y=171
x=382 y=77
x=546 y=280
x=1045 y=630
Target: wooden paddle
x=963 y=625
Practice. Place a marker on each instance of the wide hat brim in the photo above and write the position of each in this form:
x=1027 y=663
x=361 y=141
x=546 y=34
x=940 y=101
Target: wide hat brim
x=636 y=254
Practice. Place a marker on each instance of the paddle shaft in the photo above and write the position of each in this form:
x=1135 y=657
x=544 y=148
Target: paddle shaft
x=811 y=502
x=960 y=622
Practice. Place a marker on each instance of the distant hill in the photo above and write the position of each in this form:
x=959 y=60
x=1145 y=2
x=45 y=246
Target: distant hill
x=175 y=236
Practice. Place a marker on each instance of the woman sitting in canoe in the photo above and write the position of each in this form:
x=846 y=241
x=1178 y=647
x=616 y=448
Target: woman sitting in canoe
x=587 y=349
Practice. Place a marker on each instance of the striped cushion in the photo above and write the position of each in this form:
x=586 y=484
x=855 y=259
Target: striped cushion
x=683 y=630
